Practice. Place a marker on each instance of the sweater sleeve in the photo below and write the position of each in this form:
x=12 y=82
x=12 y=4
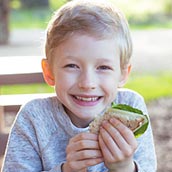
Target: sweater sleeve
x=145 y=156
x=23 y=152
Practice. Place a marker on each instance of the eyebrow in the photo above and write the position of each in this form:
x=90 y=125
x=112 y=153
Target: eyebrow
x=99 y=60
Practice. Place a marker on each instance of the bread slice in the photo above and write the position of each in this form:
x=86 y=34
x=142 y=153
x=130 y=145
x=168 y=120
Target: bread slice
x=131 y=117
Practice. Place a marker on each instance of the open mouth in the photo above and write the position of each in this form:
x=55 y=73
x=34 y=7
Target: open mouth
x=87 y=99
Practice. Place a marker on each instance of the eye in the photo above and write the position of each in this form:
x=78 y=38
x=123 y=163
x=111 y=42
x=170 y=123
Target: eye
x=74 y=66
x=104 y=67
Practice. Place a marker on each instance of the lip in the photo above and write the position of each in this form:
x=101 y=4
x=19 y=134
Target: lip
x=86 y=100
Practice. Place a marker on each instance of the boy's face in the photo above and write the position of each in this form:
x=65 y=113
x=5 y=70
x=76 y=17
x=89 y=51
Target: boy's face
x=86 y=75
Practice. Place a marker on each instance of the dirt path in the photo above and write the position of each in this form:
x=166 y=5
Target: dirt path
x=160 y=112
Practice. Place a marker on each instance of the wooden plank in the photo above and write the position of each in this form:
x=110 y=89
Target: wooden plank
x=12 y=109
x=26 y=78
x=3 y=139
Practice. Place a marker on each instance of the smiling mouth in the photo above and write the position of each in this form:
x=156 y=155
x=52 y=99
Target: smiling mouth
x=87 y=99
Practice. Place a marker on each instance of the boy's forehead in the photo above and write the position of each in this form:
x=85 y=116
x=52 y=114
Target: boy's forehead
x=82 y=35
x=84 y=45
x=85 y=38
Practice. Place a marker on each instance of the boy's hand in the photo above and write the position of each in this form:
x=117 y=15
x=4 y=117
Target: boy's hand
x=118 y=144
x=82 y=151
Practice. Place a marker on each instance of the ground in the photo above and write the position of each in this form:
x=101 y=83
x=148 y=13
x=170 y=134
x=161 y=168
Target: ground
x=160 y=112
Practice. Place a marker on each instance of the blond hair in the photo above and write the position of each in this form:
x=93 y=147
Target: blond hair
x=96 y=18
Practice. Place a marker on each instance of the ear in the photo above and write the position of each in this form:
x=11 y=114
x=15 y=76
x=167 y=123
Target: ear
x=124 y=76
x=47 y=72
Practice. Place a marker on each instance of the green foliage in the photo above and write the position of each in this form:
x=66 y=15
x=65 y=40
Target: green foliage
x=55 y=4
x=33 y=18
x=151 y=86
x=25 y=89
x=140 y=14
x=168 y=7
x=15 y=4
x=144 y=14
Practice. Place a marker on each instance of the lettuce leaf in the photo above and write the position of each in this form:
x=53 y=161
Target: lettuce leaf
x=128 y=108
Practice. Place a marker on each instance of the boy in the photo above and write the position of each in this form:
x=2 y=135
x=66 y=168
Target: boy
x=88 y=50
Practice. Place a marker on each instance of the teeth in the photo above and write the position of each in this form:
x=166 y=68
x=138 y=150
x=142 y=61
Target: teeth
x=87 y=99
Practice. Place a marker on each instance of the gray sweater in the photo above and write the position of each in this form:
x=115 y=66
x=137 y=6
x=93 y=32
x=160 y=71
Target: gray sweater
x=42 y=129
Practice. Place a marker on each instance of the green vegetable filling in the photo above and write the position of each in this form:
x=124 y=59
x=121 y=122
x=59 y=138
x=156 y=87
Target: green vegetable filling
x=141 y=129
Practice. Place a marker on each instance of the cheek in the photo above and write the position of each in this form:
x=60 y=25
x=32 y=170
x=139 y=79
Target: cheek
x=111 y=90
x=110 y=85
x=62 y=87
x=63 y=82
x=110 y=81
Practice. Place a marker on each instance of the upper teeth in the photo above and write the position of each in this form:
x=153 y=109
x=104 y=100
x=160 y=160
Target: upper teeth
x=88 y=99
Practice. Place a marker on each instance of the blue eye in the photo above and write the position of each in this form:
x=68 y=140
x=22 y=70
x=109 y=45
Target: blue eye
x=104 y=67
x=71 y=66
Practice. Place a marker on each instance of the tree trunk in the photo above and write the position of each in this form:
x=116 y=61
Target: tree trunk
x=4 y=16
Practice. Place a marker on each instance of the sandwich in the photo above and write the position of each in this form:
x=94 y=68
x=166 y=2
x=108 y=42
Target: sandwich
x=133 y=118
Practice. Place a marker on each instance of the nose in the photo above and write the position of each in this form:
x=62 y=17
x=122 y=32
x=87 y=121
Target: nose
x=87 y=81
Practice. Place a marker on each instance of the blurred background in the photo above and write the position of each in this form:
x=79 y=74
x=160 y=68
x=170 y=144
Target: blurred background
x=22 y=33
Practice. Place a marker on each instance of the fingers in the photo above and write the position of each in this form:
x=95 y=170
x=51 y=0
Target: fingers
x=124 y=131
x=82 y=151
x=79 y=165
x=84 y=136
x=107 y=153
x=84 y=146
x=121 y=134
x=110 y=149
x=84 y=154
x=117 y=142
x=83 y=141
x=114 y=143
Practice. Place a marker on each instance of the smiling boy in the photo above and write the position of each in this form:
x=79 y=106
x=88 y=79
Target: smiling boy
x=89 y=73
x=88 y=50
